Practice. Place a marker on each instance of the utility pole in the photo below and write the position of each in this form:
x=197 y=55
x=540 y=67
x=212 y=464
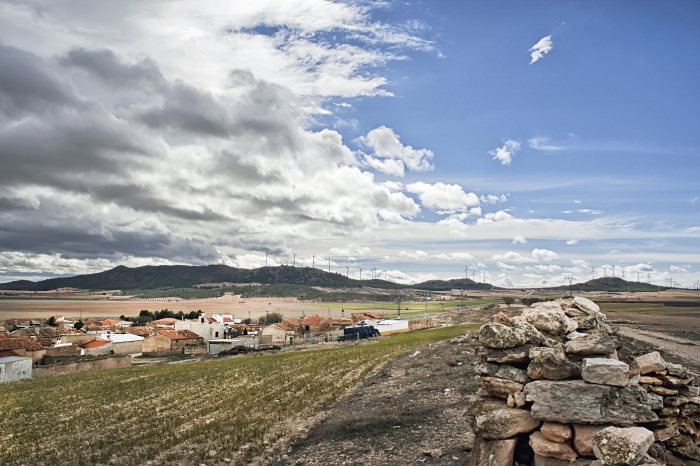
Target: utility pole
x=265 y=258
x=570 y=278
x=384 y=276
x=313 y=261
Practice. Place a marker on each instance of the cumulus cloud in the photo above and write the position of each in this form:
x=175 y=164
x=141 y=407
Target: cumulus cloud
x=543 y=144
x=519 y=240
x=572 y=242
x=494 y=217
x=493 y=199
x=454 y=256
x=417 y=255
x=505 y=153
x=540 y=49
x=504 y=266
x=538 y=255
x=390 y=156
x=676 y=269
x=351 y=250
x=443 y=197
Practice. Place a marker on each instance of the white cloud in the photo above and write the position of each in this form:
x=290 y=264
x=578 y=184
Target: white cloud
x=544 y=255
x=566 y=211
x=577 y=202
x=540 y=49
x=505 y=266
x=572 y=242
x=614 y=251
x=493 y=199
x=390 y=156
x=580 y=263
x=418 y=255
x=551 y=268
x=454 y=256
x=494 y=217
x=676 y=269
x=519 y=240
x=505 y=153
x=590 y=212
x=444 y=197
x=541 y=143
x=351 y=250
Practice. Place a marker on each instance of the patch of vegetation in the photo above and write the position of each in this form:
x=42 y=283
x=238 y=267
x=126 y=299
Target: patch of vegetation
x=181 y=413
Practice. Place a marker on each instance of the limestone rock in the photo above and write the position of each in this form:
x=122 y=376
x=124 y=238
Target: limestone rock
x=551 y=364
x=595 y=343
x=544 y=461
x=485 y=368
x=663 y=391
x=519 y=399
x=646 y=380
x=650 y=362
x=672 y=381
x=500 y=424
x=690 y=451
x=666 y=433
x=513 y=373
x=575 y=335
x=693 y=391
x=583 y=438
x=550 y=318
x=500 y=336
x=504 y=356
x=575 y=401
x=556 y=431
x=500 y=388
x=605 y=371
x=586 y=304
x=547 y=448
x=493 y=452
x=677 y=370
x=622 y=446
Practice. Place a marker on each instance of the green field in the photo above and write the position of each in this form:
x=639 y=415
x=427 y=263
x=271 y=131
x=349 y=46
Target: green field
x=186 y=413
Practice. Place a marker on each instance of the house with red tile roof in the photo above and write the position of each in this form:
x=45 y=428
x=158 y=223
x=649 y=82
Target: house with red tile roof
x=23 y=347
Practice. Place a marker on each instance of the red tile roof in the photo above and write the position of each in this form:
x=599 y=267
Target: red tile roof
x=94 y=344
x=14 y=343
x=166 y=320
x=314 y=320
x=179 y=334
x=141 y=331
x=109 y=322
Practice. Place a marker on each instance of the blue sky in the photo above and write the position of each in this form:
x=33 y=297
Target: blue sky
x=363 y=132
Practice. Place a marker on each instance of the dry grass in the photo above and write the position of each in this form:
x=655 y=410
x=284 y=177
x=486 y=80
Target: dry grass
x=187 y=413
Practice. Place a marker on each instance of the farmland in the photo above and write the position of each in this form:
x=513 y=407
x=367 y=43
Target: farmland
x=187 y=413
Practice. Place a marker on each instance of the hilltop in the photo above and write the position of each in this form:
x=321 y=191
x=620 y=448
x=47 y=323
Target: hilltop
x=184 y=276
x=611 y=284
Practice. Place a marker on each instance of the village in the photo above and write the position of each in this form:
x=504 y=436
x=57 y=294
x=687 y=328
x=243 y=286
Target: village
x=31 y=348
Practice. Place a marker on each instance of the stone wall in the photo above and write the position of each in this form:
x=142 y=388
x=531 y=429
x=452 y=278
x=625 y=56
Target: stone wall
x=553 y=392
x=195 y=349
x=70 y=350
x=80 y=364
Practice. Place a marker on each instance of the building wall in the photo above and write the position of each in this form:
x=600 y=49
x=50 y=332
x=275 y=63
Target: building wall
x=106 y=363
x=71 y=350
x=156 y=344
x=128 y=347
x=78 y=339
x=15 y=369
x=194 y=349
x=36 y=355
x=206 y=331
x=104 y=349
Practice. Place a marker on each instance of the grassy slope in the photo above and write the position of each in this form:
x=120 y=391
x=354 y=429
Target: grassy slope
x=180 y=412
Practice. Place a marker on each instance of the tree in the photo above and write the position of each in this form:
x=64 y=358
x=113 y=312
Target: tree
x=508 y=300
x=78 y=325
x=51 y=322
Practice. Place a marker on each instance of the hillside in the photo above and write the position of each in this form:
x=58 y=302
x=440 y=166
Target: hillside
x=185 y=276
x=610 y=284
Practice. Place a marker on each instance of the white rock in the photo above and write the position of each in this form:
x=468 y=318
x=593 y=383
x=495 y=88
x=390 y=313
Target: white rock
x=586 y=304
x=622 y=446
x=550 y=318
x=650 y=362
x=605 y=371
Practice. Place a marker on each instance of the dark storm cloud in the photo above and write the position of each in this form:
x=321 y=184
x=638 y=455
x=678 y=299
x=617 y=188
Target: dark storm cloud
x=106 y=66
x=44 y=232
x=27 y=84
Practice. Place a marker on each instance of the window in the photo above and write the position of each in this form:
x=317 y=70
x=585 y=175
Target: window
x=216 y=334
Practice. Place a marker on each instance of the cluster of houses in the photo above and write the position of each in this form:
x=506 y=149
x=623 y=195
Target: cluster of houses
x=39 y=345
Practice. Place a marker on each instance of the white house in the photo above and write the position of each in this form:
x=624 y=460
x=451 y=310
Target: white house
x=13 y=368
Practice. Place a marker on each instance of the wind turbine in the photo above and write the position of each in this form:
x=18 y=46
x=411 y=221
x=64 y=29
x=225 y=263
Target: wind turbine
x=294 y=264
x=623 y=274
x=347 y=272
x=613 y=267
x=265 y=258
x=360 y=273
x=466 y=272
x=570 y=279
x=329 y=265
x=638 y=277
x=605 y=271
x=313 y=261
x=649 y=278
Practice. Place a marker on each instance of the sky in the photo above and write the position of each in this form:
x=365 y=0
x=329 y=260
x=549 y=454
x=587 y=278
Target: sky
x=515 y=143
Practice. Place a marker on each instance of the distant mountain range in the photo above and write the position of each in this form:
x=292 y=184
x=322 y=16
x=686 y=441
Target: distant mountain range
x=183 y=276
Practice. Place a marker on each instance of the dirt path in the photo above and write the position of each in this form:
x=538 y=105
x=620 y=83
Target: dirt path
x=411 y=411
x=687 y=350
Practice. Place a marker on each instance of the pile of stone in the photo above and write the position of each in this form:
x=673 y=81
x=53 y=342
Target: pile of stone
x=554 y=392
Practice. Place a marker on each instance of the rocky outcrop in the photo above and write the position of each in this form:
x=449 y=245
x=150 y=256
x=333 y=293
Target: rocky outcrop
x=552 y=383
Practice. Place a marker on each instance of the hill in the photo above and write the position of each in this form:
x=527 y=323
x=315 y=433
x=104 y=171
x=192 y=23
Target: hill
x=610 y=284
x=185 y=276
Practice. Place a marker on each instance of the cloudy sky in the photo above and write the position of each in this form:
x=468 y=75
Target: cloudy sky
x=526 y=141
